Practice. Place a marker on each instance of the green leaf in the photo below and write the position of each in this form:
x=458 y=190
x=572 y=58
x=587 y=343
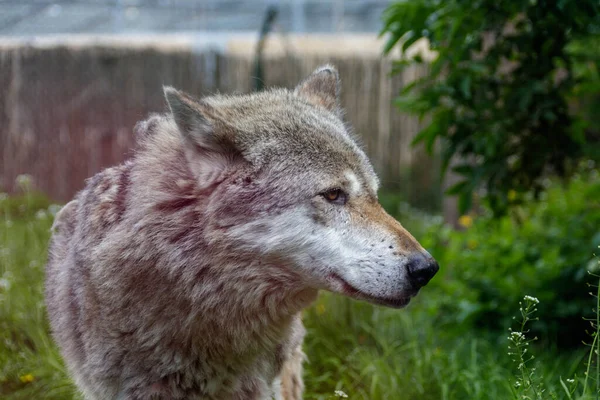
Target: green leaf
x=465 y=201
x=463 y=169
x=391 y=42
x=409 y=42
x=465 y=86
x=428 y=136
x=458 y=188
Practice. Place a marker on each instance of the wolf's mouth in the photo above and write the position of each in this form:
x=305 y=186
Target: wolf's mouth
x=351 y=291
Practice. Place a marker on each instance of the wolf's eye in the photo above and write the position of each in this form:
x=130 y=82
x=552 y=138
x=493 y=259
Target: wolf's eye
x=336 y=196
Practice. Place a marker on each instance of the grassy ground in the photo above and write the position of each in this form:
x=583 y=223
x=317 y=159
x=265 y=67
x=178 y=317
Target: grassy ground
x=367 y=352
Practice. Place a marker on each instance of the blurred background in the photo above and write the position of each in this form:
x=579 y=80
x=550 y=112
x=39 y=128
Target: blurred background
x=480 y=118
x=31 y=18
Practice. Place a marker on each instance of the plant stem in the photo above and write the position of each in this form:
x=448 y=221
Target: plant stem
x=594 y=345
x=593 y=349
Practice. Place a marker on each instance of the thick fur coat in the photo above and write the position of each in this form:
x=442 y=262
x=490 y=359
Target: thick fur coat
x=181 y=274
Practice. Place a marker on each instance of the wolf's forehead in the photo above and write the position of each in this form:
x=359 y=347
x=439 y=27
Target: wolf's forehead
x=321 y=147
x=278 y=126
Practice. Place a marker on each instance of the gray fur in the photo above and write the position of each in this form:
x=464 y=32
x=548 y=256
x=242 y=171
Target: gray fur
x=181 y=273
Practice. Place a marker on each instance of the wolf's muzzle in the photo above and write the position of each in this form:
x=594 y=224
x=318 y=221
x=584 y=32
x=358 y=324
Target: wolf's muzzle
x=421 y=268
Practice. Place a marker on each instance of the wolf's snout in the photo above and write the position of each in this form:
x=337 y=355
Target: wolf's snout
x=421 y=268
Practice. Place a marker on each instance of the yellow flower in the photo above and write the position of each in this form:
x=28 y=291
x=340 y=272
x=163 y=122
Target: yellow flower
x=465 y=221
x=27 y=378
x=320 y=309
x=512 y=195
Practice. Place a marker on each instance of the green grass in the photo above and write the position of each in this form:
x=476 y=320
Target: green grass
x=370 y=352
x=366 y=351
x=25 y=345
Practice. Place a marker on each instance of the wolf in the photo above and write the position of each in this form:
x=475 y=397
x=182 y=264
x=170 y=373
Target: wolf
x=182 y=273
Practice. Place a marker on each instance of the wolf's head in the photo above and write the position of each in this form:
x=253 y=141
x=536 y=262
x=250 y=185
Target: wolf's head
x=289 y=186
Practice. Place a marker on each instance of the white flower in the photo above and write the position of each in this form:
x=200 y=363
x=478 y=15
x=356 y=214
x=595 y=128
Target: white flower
x=532 y=299
x=4 y=284
x=516 y=335
x=24 y=181
x=53 y=209
x=339 y=393
x=570 y=380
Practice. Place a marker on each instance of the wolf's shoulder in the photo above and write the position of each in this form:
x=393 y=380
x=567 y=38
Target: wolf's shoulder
x=103 y=201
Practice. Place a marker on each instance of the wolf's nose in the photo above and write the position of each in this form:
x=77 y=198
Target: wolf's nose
x=421 y=268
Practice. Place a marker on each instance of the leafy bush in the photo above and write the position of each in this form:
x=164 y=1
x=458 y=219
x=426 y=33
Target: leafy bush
x=544 y=249
x=498 y=92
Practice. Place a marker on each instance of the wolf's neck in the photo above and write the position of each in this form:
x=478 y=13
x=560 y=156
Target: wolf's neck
x=251 y=290
x=249 y=303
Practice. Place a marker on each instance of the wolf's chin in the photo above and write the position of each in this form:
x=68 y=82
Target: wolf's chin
x=350 y=291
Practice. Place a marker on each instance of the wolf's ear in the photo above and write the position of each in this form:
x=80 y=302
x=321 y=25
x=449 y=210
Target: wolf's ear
x=322 y=88
x=208 y=151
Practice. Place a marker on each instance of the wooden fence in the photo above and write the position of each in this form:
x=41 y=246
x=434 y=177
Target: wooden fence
x=69 y=104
